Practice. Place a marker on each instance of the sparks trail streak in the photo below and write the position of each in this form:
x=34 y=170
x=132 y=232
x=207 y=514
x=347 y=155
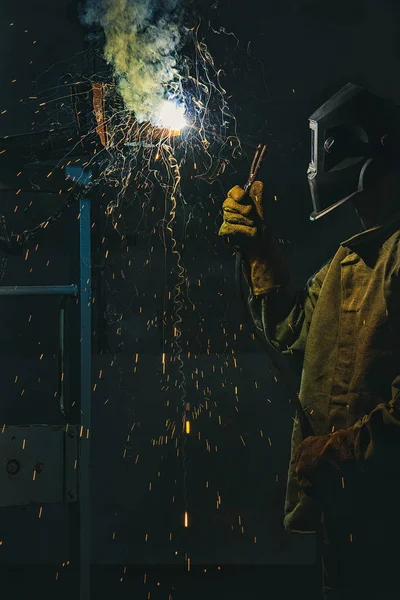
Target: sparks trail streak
x=140 y=156
x=137 y=158
x=152 y=136
x=181 y=271
x=178 y=304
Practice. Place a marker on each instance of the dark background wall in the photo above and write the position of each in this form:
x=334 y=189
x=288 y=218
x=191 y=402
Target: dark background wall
x=287 y=57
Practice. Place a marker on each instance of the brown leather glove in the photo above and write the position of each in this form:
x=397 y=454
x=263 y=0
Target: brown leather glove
x=245 y=226
x=318 y=456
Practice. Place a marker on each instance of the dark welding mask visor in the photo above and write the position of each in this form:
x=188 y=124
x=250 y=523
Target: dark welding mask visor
x=344 y=139
x=338 y=156
x=332 y=189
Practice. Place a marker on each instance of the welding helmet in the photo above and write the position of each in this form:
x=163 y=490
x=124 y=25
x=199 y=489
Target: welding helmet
x=352 y=131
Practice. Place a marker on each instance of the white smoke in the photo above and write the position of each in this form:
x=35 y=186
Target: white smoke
x=142 y=39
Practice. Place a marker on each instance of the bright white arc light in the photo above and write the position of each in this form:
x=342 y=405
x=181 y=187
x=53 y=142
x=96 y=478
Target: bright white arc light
x=171 y=116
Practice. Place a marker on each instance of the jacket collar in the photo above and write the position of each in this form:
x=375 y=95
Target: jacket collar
x=391 y=225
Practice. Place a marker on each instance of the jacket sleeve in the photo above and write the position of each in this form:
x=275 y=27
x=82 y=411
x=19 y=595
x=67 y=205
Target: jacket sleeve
x=283 y=316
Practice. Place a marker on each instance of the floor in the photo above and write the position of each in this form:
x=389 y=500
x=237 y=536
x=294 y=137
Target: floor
x=166 y=583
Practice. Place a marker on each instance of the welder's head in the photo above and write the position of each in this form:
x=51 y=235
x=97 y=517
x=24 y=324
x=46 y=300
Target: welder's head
x=353 y=139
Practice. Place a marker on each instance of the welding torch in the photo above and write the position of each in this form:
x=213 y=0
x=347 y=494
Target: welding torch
x=240 y=274
x=255 y=167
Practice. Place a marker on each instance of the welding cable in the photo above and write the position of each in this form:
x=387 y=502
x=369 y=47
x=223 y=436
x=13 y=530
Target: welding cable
x=240 y=275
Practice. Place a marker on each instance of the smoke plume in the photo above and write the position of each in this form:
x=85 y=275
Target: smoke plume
x=141 y=42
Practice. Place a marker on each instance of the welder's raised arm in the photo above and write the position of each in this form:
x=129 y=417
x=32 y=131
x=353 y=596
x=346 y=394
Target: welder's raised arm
x=244 y=225
x=280 y=313
x=283 y=314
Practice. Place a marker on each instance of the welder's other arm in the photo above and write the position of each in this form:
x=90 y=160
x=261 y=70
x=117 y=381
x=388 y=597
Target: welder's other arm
x=283 y=314
x=279 y=312
x=372 y=445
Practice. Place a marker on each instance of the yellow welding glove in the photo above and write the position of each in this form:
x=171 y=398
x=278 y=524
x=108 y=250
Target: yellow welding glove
x=244 y=226
x=240 y=215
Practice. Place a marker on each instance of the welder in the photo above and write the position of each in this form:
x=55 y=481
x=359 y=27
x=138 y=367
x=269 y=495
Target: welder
x=344 y=479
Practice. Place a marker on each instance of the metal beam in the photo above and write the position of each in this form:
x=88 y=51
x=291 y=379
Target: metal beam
x=85 y=301
x=39 y=290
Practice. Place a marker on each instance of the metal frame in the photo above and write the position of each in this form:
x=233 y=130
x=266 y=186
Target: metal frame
x=80 y=513
x=84 y=456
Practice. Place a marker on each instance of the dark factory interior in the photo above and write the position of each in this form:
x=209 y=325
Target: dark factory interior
x=145 y=433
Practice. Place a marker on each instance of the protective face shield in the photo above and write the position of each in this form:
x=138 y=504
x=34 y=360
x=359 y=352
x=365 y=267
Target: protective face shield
x=348 y=132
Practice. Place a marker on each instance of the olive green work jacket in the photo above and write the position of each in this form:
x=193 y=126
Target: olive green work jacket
x=346 y=326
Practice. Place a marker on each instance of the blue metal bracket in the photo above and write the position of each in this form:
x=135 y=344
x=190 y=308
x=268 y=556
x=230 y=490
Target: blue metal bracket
x=84 y=456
